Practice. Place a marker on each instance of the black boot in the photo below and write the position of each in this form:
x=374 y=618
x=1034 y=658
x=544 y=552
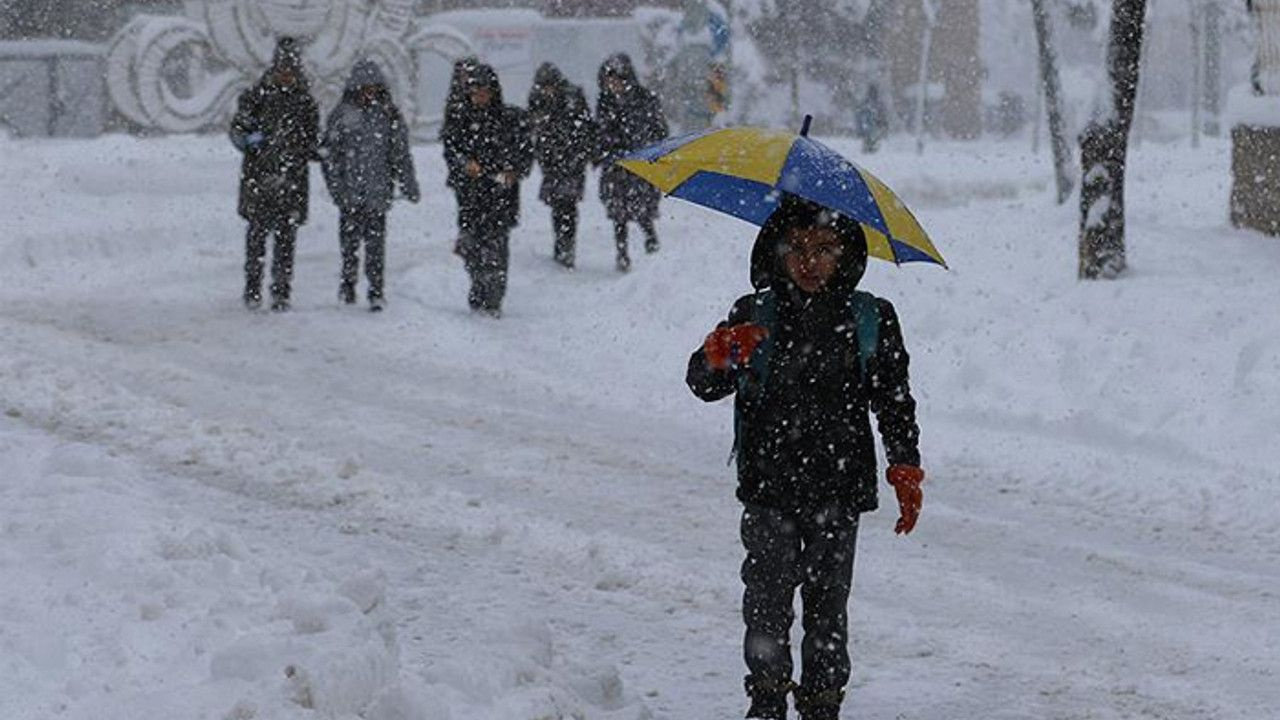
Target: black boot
x=820 y=704
x=772 y=709
x=768 y=697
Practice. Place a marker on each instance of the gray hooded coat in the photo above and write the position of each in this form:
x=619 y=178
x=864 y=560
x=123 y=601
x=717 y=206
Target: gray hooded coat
x=366 y=146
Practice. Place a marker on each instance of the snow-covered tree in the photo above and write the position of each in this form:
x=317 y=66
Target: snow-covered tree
x=822 y=42
x=1104 y=145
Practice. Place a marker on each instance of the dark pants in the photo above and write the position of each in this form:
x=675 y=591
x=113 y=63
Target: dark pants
x=367 y=228
x=286 y=235
x=813 y=551
x=486 y=255
x=620 y=235
x=564 y=221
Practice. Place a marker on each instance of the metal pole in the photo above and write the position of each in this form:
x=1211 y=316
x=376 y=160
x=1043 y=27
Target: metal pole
x=1197 y=59
x=926 y=47
x=1039 y=120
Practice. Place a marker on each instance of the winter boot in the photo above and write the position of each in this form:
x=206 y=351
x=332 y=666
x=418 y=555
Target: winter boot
x=376 y=303
x=768 y=697
x=252 y=300
x=565 y=259
x=771 y=709
x=651 y=245
x=280 y=304
x=624 y=262
x=819 y=705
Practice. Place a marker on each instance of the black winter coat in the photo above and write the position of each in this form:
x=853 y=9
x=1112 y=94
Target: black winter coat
x=564 y=135
x=496 y=137
x=627 y=122
x=804 y=434
x=278 y=130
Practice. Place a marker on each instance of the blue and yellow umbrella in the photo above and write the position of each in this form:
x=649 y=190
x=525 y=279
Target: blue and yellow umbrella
x=744 y=171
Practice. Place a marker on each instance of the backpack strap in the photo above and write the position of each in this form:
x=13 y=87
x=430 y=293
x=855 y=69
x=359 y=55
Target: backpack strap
x=764 y=312
x=865 y=310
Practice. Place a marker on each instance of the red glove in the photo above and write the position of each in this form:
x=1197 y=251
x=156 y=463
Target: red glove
x=906 y=480
x=728 y=346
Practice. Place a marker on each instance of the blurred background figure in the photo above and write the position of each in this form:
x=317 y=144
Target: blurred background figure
x=366 y=157
x=629 y=116
x=487 y=148
x=276 y=127
x=872 y=120
x=564 y=141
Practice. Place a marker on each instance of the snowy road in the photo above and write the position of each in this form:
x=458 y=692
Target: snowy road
x=541 y=511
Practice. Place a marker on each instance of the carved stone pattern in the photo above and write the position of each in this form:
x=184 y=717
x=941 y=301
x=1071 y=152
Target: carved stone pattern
x=220 y=47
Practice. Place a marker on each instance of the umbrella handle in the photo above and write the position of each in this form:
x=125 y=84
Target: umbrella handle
x=804 y=129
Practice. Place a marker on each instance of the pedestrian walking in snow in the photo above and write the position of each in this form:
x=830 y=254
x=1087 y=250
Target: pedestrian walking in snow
x=366 y=157
x=872 y=120
x=276 y=127
x=628 y=117
x=806 y=357
x=564 y=141
x=487 y=149
x=455 y=105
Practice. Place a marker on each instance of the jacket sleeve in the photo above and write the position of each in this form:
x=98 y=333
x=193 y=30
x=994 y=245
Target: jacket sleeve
x=889 y=391
x=311 y=131
x=244 y=123
x=712 y=385
x=402 y=156
x=332 y=158
x=661 y=129
x=454 y=158
x=521 y=161
x=588 y=146
x=608 y=140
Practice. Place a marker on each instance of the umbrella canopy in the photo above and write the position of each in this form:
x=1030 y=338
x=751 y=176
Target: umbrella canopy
x=744 y=172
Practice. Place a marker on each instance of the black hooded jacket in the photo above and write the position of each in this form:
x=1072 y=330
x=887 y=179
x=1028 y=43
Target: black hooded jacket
x=626 y=122
x=564 y=134
x=497 y=138
x=804 y=436
x=277 y=128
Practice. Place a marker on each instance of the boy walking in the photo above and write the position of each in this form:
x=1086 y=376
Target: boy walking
x=366 y=157
x=807 y=357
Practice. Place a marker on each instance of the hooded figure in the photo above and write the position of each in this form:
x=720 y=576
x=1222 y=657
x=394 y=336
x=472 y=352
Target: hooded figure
x=276 y=127
x=564 y=140
x=628 y=117
x=366 y=156
x=487 y=150
x=807 y=357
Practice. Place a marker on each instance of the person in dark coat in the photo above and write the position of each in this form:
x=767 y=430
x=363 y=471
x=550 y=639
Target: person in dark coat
x=628 y=117
x=564 y=141
x=456 y=103
x=872 y=120
x=807 y=357
x=487 y=149
x=276 y=127
x=366 y=157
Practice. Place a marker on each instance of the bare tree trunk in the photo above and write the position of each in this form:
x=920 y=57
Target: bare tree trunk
x=1104 y=146
x=1052 y=88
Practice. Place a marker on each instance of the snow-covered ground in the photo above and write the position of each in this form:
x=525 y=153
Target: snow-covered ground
x=208 y=513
